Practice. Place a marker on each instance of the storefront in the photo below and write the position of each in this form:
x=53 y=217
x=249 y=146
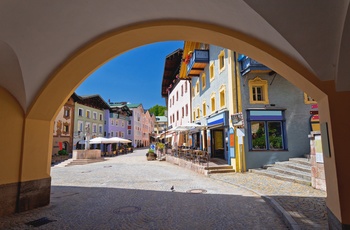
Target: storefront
x=217 y=135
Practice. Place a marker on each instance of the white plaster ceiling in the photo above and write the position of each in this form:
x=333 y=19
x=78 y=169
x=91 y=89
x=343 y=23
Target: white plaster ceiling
x=36 y=36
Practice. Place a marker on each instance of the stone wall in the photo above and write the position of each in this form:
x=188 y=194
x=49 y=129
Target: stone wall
x=187 y=164
x=318 y=179
x=87 y=154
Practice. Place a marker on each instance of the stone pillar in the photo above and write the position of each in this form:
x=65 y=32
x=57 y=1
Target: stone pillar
x=333 y=111
x=318 y=178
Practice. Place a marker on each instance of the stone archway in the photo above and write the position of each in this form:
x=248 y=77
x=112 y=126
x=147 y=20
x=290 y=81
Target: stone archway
x=36 y=139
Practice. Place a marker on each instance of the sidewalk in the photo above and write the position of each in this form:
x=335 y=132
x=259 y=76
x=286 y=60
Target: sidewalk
x=301 y=206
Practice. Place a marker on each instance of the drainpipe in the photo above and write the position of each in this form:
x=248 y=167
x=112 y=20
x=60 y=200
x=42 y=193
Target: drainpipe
x=240 y=149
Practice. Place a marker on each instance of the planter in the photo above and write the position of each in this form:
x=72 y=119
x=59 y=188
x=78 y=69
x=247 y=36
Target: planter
x=151 y=156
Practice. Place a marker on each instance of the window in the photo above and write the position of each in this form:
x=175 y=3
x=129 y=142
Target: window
x=80 y=126
x=129 y=122
x=66 y=128
x=177 y=115
x=221 y=58
x=198 y=113
x=111 y=134
x=177 y=95
x=193 y=95
x=116 y=123
x=308 y=99
x=212 y=101
x=88 y=114
x=258 y=92
x=80 y=112
x=186 y=110
x=66 y=112
x=211 y=72
x=222 y=97
x=173 y=99
x=100 y=129
x=129 y=132
x=204 y=109
x=267 y=130
x=101 y=117
x=170 y=103
x=112 y=122
x=123 y=124
x=194 y=116
x=182 y=90
x=183 y=112
x=94 y=115
x=203 y=81
x=87 y=128
x=186 y=87
x=94 y=128
x=197 y=87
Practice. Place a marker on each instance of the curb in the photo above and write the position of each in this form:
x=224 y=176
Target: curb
x=287 y=218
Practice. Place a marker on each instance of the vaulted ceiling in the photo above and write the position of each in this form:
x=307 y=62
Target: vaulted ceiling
x=37 y=37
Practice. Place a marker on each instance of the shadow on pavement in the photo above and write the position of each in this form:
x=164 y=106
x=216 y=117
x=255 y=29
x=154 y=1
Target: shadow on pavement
x=114 y=208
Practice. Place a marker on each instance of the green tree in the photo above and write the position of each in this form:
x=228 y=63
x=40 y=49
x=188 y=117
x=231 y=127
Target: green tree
x=157 y=110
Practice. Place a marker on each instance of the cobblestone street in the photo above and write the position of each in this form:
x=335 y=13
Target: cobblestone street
x=129 y=192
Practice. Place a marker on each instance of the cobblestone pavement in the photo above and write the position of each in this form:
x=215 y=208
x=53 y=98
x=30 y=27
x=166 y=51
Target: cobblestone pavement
x=306 y=205
x=129 y=192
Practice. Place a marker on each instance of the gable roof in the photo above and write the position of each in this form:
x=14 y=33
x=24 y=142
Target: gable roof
x=94 y=101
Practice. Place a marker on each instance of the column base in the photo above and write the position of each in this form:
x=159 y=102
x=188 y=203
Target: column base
x=334 y=223
x=34 y=194
x=24 y=196
x=8 y=198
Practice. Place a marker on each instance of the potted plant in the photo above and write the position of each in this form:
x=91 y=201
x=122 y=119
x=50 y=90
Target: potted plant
x=151 y=155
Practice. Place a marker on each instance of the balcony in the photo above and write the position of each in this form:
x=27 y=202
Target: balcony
x=197 y=62
x=250 y=65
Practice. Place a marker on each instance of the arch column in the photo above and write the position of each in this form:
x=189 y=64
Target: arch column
x=35 y=180
x=334 y=109
x=25 y=160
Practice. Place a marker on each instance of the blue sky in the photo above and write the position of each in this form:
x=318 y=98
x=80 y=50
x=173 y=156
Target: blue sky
x=135 y=76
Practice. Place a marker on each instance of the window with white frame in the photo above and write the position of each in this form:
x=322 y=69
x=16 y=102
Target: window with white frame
x=80 y=126
x=66 y=112
x=88 y=114
x=101 y=117
x=80 y=112
x=94 y=115
x=100 y=129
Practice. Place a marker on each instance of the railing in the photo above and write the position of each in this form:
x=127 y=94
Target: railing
x=248 y=65
x=197 y=62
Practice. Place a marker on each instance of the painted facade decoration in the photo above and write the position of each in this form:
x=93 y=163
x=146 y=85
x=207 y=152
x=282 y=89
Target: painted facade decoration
x=63 y=128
